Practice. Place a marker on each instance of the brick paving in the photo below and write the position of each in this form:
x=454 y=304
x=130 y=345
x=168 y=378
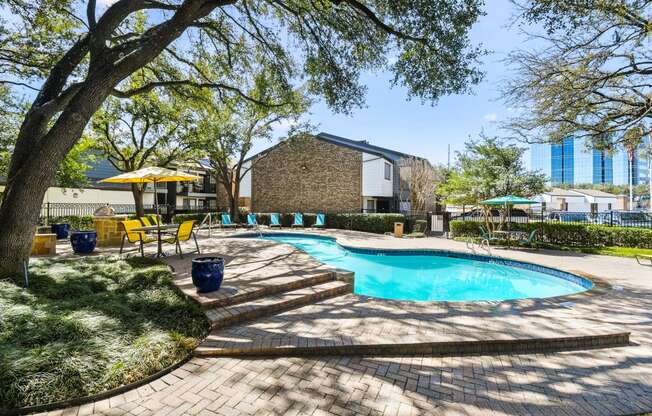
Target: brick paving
x=613 y=381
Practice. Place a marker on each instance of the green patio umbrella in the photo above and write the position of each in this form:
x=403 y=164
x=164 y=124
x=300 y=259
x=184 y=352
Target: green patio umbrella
x=508 y=201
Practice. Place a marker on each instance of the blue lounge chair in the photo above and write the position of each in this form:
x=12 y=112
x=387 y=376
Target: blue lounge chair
x=251 y=220
x=298 y=220
x=275 y=220
x=226 y=221
x=320 y=221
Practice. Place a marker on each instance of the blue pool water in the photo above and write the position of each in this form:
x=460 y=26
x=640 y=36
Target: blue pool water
x=433 y=277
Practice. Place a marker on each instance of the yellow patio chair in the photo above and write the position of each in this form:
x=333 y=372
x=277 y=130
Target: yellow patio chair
x=134 y=237
x=146 y=222
x=154 y=219
x=184 y=232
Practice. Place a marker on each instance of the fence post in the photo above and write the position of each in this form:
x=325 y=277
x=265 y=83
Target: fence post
x=611 y=220
x=47 y=215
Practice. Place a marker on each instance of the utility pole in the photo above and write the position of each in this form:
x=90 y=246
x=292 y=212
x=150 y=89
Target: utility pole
x=449 y=160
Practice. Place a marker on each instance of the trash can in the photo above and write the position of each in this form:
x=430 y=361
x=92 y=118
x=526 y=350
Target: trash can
x=207 y=273
x=398 y=229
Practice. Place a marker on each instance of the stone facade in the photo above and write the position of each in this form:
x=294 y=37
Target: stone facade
x=308 y=175
x=109 y=231
x=44 y=245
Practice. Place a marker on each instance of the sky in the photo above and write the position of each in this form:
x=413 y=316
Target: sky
x=422 y=129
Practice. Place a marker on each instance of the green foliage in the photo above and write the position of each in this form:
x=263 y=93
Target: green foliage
x=371 y=223
x=71 y=172
x=90 y=324
x=77 y=223
x=179 y=218
x=489 y=168
x=152 y=129
x=580 y=235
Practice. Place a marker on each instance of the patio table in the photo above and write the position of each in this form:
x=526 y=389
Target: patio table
x=158 y=229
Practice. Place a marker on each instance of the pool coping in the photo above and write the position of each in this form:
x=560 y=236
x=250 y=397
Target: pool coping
x=599 y=285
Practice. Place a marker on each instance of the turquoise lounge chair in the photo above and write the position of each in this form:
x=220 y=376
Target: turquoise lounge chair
x=529 y=240
x=298 y=220
x=226 y=221
x=275 y=220
x=251 y=220
x=320 y=221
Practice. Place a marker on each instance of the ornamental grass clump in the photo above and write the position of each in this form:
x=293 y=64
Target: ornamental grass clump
x=86 y=325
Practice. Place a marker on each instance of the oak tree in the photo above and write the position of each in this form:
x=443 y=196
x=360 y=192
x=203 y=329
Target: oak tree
x=74 y=57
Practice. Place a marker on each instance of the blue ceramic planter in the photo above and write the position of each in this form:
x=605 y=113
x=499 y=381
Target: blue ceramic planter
x=61 y=230
x=83 y=242
x=207 y=273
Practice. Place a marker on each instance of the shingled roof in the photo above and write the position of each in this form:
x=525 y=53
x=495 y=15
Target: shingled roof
x=359 y=145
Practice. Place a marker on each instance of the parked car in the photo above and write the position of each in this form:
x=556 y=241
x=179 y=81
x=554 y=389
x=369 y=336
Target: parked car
x=625 y=218
x=580 y=217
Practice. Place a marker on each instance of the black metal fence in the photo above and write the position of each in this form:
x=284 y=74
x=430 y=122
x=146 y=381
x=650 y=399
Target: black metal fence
x=637 y=219
x=52 y=210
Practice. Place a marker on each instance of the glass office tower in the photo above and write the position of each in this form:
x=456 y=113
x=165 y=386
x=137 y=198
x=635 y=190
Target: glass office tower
x=572 y=162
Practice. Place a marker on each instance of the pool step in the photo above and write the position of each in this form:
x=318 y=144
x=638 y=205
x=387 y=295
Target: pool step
x=279 y=346
x=225 y=316
x=232 y=296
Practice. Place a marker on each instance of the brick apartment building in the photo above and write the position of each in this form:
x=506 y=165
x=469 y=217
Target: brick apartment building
x=326 y=173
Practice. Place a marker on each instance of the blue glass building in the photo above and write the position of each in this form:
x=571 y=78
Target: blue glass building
x=572 y=162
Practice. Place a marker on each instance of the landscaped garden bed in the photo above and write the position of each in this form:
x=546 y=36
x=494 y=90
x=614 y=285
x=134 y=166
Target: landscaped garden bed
x=84 y=326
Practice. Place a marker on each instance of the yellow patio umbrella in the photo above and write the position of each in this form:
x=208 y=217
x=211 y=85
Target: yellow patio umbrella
x=153 y=175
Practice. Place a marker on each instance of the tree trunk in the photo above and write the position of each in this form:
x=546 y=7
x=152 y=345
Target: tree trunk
x=234 y=199
x=138 y=191
x=19 y=214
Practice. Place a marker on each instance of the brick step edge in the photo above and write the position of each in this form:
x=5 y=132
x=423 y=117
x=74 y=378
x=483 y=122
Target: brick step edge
x=270 y=290
x=283 y=305
x=441 y=349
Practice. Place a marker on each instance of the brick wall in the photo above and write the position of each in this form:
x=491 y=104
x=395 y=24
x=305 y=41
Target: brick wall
x=308 y=175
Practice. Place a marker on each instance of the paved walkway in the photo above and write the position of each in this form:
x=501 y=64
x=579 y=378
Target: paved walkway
x=616 y=381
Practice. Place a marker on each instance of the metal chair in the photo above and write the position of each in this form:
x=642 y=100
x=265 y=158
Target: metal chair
x=184 y=232
x=134 y=237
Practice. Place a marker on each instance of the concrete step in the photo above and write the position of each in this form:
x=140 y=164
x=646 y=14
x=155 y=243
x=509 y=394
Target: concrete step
x=296 y=347
x=225 y=316
x=232 y=296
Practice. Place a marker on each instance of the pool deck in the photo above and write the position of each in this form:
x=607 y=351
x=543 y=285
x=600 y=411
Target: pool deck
x=292 y=301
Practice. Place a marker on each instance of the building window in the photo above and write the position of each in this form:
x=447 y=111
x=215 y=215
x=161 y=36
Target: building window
x=608 y=207
x=594 y=208
x=388 y=171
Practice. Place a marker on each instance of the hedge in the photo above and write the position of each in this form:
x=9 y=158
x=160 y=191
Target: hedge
x=372 y=223
x=76 y=222
x=580 y=235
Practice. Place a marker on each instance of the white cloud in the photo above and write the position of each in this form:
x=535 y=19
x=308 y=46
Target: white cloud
x=490 y=117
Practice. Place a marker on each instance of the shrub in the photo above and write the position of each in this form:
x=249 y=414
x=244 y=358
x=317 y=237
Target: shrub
x=76 y=222
x=179 y=218
x=371 y=223
x=581 y=235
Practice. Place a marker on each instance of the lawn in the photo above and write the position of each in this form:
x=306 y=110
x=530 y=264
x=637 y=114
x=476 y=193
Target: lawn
x=88 y=325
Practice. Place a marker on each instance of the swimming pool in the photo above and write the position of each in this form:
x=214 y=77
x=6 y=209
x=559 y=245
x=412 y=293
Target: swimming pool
x=436 y=276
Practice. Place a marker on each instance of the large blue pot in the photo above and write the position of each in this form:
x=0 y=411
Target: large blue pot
x=61 y=230
x=83 y=242
x=207 y=273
